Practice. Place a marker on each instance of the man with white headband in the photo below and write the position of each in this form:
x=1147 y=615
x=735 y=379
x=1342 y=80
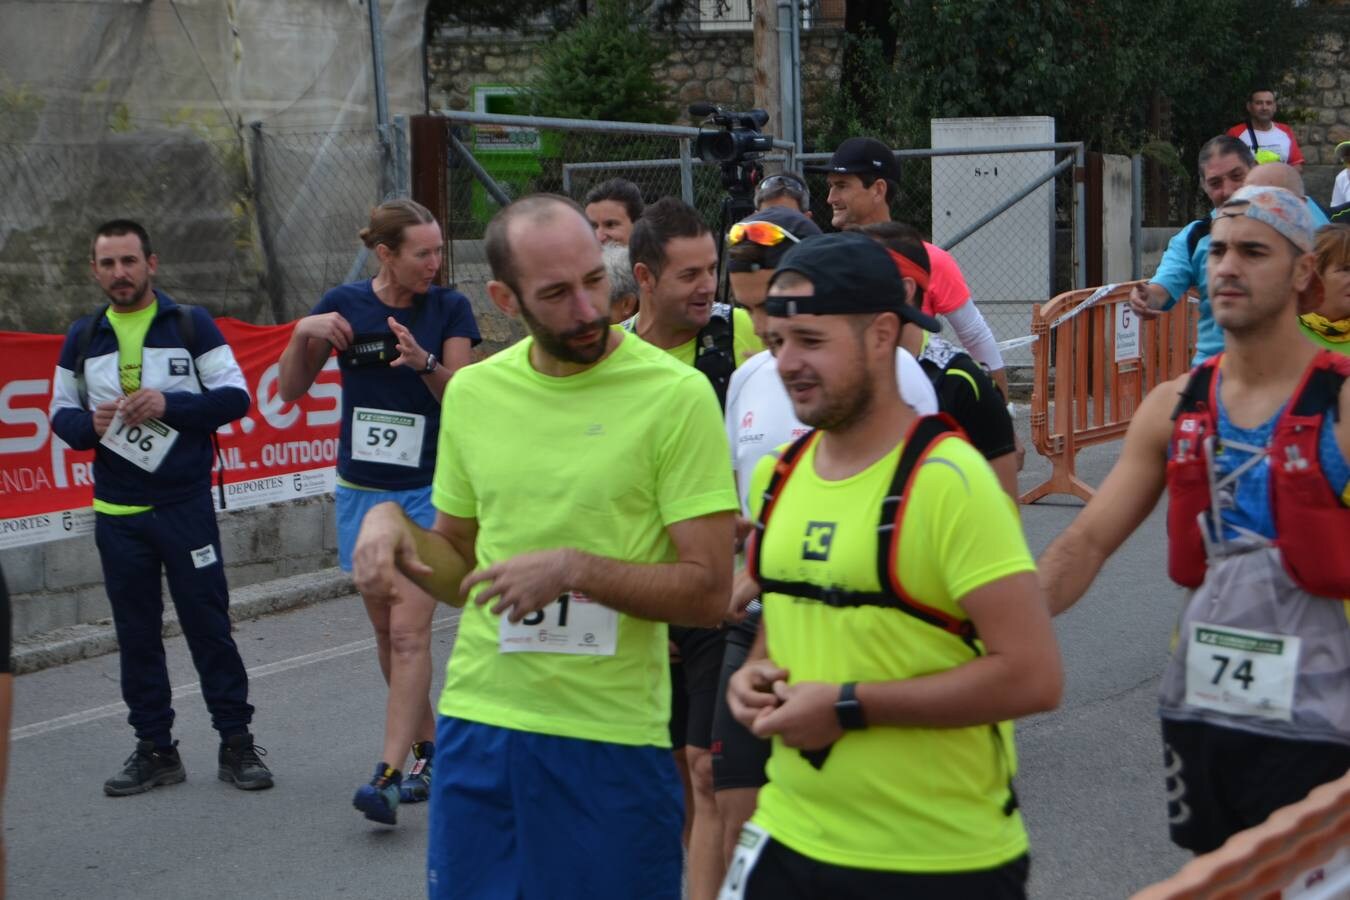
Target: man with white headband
x=1252 y=448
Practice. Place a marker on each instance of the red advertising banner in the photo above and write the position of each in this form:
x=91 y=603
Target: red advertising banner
x=278 y=451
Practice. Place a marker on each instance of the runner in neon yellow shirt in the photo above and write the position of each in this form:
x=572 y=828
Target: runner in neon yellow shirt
x=674 y=257
x=888 y=696
x=579 y=517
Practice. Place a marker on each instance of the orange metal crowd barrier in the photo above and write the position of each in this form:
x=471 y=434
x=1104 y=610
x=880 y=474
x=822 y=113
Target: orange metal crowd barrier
x=1105 y=359
x=1302 y=850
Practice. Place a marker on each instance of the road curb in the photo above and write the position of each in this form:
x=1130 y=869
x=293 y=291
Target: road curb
x=65 y=645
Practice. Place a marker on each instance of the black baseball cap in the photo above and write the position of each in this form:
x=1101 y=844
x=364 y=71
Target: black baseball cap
x=791 y=221
x=851 y=273
x=861 y=154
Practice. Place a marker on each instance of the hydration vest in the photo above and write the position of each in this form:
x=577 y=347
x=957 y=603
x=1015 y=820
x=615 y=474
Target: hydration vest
x=714 y=348
x=1312 y=526
x=923 y=436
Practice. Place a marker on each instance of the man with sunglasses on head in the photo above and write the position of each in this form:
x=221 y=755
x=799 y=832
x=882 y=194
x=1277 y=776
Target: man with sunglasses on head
x=903 y=625
x=786 y=189
x=864 y=179
x=759 y=418
x=674 y=257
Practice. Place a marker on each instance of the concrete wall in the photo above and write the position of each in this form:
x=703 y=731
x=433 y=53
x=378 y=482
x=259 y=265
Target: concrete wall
x=58 y=584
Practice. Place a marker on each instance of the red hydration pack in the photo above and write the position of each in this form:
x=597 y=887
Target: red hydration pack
x=1312 y=526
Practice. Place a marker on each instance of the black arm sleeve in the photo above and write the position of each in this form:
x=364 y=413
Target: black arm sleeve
x=967 y=393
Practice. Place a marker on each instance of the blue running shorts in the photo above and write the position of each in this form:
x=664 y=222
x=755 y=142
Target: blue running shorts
x=354 y=503
x=523 y=816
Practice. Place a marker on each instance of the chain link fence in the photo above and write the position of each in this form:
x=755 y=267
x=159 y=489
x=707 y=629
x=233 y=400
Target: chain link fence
x=522 y=155
x=1009 y=214
x=254 y=226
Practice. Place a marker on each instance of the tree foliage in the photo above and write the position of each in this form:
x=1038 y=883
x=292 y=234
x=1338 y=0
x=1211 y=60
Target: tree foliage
x=604 y=68
x=1103 y=68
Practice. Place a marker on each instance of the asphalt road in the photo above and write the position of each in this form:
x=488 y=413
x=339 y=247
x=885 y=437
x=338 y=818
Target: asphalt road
x=1090 y=782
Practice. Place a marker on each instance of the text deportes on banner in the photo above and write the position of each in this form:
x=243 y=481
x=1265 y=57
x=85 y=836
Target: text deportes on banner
x=277 y=451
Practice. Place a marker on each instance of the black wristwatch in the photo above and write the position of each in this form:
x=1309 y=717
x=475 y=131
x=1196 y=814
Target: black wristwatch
x=848 y=708
x=431 y=364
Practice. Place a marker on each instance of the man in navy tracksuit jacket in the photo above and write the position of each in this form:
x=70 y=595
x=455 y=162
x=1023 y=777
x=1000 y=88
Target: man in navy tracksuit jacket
x=145 y=383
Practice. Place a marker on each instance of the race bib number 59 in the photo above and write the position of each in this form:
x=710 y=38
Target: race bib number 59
x=385 y=436
x=574 y=623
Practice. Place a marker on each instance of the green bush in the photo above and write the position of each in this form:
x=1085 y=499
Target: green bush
x=603 y=68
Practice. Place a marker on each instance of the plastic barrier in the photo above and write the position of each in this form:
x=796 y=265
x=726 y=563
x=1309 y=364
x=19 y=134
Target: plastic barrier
x=1302 y=851
x=1105 y=360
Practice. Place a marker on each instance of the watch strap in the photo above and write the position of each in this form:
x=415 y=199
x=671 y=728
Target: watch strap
x=848 y=708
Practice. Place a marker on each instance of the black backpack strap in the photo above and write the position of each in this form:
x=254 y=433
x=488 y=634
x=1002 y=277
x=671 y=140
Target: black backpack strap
x=715 y=353
x=1251 y=133
x=82 y=341
x=1322 y=389
x=1196 y=393
x=1197 y=233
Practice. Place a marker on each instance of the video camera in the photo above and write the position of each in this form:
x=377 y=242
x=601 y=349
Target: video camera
x=738 y=137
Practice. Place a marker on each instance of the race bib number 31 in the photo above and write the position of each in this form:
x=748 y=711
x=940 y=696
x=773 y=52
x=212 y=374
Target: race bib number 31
x=574 y=623
x=384 y=436
x=144 y=445
x=1245 y=673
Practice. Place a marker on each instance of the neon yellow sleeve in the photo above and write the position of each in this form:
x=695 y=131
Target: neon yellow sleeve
x=692 y=473
x=972 y=523
x=451 y=492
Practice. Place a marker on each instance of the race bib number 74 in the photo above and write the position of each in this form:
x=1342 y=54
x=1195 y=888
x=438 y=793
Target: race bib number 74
x=1241 y=672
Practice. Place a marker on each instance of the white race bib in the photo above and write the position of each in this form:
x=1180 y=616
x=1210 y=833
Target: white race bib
x=144 y=445
x=574 y=623
x=1245 y=673
x=749 y=846
x=384 y=436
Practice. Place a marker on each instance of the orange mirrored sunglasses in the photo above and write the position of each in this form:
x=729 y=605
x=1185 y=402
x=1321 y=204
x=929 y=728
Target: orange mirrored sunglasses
x=766 y=234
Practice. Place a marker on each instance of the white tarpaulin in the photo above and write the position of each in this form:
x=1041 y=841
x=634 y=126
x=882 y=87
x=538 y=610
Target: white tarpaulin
x=146 y=110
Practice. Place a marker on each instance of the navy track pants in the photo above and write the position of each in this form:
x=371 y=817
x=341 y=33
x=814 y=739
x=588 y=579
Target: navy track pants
x=184 y=540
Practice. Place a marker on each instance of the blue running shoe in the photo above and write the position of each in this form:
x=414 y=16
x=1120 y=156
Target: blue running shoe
x=416 y=786
x=379 y=799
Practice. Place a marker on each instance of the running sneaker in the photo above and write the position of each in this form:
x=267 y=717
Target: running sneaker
x=379 y=799
x=241 y=764
x=147 y=767
x=416 y=786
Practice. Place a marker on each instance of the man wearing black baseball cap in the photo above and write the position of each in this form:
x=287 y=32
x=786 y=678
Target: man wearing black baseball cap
x=903 y=624
x=759 y=418
x=863 y=176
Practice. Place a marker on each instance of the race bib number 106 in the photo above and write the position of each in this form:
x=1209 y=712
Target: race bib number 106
x=574 y=623
x=144 y=445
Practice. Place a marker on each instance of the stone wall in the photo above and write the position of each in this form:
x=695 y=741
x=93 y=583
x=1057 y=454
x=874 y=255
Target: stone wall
x=711 y=66
x=1327 y=99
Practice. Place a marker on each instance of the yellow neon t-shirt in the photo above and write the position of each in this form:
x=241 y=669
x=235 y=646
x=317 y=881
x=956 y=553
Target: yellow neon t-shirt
x=744 y=341
x=131 y=329
x=601 y=461
x=888 y=798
